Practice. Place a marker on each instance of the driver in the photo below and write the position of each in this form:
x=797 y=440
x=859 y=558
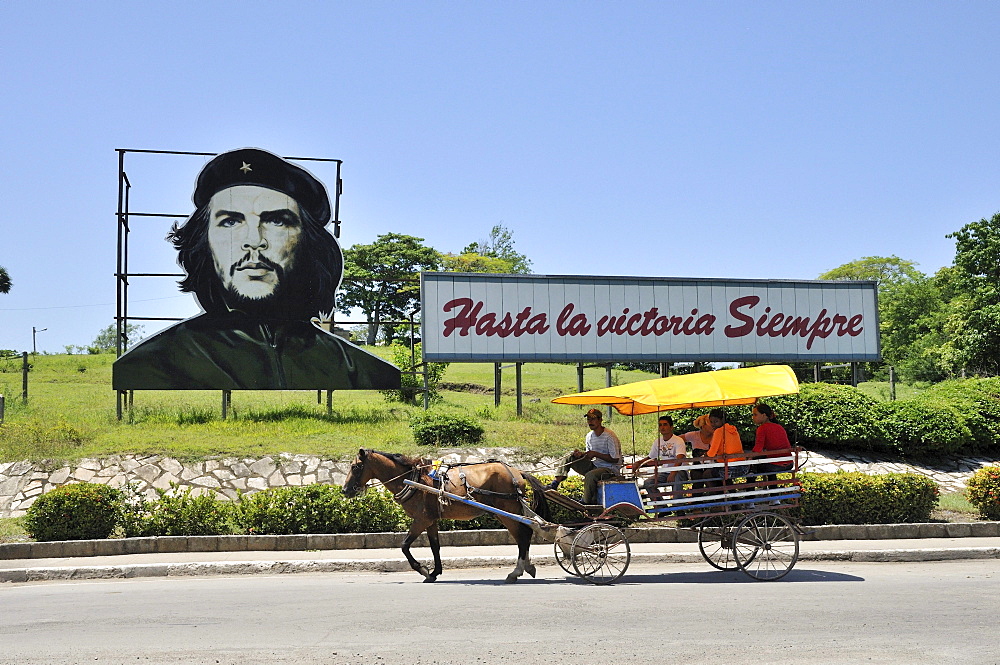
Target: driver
x=601 y=459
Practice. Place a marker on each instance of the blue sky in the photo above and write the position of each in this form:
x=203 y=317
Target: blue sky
x=744 y=140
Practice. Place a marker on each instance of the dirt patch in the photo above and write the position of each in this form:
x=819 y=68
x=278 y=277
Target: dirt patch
x=938 y=515
x=474 y=388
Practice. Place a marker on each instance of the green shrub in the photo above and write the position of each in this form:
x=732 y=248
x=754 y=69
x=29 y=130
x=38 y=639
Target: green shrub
x=445 y=429
x=178 y=512
x=317 y=508
x=830 y=415
x=372 y=511
x=860 y=498
x=571 y=487
x=485 y=521
x=977 y=402
x=289 y=510
x=918 y=428
x=983 y=491
x=74 y=512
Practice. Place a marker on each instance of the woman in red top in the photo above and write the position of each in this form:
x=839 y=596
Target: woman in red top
x=770 y=437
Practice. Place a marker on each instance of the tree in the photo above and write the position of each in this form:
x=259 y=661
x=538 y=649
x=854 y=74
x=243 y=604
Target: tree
x=380 y=279
x=470 y=262
x=500 y=245
x=107 y=340
x=977 y=280
x=892 y=275
x=888 y=271
x=915 y=328
x=5 y=282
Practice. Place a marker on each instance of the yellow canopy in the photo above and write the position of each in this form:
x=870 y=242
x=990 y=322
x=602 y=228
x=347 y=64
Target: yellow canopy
x=726 y=387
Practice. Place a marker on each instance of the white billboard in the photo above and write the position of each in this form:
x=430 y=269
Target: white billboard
x=537 y=318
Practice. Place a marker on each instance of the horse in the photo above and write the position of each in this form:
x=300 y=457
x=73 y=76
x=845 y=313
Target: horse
x=491 y=483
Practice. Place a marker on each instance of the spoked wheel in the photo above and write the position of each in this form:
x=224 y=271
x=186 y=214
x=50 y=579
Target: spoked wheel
x=563 y=546
x=715 y=540
x=766 y=546
x=600 y=553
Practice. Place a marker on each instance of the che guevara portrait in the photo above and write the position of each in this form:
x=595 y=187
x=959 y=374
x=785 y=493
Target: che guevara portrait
x=258 y=257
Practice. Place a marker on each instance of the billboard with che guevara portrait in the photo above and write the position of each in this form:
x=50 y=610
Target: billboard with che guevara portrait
x=259 y=258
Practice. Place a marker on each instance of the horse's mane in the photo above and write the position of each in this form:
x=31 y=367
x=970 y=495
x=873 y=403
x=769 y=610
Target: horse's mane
x=399 y=458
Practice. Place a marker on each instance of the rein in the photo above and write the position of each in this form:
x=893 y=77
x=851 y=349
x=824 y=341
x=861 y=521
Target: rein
x=414 y=474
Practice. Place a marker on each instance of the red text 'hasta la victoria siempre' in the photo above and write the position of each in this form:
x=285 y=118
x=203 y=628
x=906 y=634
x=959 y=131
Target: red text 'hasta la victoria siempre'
x=470 y=318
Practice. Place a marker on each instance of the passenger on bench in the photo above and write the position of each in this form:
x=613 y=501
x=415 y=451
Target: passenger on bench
x=725 y=441
x=771 y=437
x=666 y=450
x=700 y=440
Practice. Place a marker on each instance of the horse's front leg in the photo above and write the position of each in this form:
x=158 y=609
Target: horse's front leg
x=435 y=543
x=522 y=534
x=415 y=530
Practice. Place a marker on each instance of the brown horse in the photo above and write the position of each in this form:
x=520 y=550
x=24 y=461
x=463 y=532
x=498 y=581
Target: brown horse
x=491 y=483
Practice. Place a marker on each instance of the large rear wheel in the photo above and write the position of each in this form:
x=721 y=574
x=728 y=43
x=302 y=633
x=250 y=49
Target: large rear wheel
x=600 y=553
x=766 y=546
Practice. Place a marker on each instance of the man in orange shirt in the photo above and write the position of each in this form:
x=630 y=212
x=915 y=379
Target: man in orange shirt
x=725 y=442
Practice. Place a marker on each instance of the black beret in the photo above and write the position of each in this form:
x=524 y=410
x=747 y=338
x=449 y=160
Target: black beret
x=250 y=166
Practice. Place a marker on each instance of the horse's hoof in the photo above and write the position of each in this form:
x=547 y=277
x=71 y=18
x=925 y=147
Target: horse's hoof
x=510 y=579
x=530 y=570
x=430 y=579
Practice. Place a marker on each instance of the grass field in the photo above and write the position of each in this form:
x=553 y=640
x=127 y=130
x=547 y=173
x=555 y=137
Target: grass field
x=71 y=413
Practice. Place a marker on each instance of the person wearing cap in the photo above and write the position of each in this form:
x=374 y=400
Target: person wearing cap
x=600 y=460
x=262 y=266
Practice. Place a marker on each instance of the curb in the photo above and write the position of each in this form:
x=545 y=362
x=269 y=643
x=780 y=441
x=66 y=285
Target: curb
x=143 y=570
x=340 y=541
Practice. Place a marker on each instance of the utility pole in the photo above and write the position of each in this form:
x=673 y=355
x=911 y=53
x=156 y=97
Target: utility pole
x=35 y=331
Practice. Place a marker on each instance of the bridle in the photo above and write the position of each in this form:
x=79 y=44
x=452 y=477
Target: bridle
x=358 y=468
x=354 y=475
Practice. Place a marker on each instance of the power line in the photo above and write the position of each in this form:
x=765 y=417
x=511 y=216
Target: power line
x=103 y=304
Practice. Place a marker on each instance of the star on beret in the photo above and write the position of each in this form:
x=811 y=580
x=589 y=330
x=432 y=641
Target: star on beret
x=245 y=168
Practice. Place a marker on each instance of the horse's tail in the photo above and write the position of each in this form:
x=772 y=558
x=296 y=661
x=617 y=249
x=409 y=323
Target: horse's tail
x=539 y=503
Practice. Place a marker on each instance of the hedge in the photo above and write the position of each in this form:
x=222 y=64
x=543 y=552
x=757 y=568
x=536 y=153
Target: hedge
x=445 y=429
x=97 y=511
x=951 y=418
x=175 y=512
x=860 y=498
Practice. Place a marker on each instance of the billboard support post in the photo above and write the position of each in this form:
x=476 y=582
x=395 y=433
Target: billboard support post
x=519 y=388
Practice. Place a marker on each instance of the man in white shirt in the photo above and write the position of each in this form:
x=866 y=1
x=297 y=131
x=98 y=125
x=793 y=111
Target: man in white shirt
x=666 y=450
x=600 y=461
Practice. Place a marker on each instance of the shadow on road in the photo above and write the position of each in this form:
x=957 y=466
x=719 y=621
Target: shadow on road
x=731 y=577
x=701 y=577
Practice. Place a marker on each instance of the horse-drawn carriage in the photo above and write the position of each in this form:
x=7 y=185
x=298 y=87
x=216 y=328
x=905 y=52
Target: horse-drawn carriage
x=741 y=523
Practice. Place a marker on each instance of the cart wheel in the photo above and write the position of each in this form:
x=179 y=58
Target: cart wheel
x=563 y=555
x=600 y=553
x=715 y=540
x=766 y=546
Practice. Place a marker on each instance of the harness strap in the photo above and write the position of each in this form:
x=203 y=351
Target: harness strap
x=407 y=492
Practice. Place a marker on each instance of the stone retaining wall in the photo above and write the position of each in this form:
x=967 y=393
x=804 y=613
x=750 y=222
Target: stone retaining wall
x=23 y=482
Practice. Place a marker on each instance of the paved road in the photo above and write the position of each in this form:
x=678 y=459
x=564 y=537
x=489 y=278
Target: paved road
x=823 y=612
